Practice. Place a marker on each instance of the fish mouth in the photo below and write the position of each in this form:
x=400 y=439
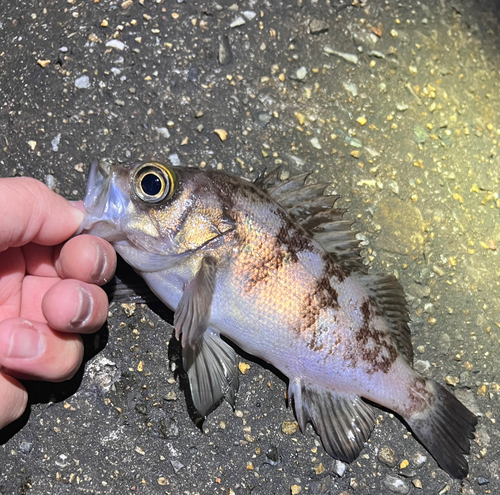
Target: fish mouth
x=103 y=202
x=97 y=183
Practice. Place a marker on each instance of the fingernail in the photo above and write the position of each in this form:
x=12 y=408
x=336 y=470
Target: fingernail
x=100 y=262
x=77 y=212
x=26 y=342
x=85 y=307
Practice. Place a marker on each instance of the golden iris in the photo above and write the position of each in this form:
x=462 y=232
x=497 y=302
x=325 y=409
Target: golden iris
x=154 y=182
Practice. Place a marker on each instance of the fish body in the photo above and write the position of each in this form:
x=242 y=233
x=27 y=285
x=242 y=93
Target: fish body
x=273 y=267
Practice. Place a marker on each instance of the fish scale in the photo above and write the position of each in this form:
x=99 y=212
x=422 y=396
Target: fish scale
x=275 y=268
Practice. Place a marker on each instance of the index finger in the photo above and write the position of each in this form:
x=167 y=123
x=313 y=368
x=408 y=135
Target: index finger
x=34 y=213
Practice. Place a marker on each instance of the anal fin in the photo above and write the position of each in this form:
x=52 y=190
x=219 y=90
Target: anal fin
x=211 y=366
x=344 y=422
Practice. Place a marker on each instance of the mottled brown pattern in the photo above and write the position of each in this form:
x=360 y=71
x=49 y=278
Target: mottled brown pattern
x=333 y=268
x=268 y=253
x=322 y=298
x=295 y=240
x=373 y=342
x=420 y=397
x=266 y=260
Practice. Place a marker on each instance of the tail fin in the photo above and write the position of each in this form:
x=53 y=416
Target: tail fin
x=445 y=429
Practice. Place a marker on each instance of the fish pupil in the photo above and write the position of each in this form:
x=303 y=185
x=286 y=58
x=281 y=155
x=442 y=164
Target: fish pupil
x=151 y=184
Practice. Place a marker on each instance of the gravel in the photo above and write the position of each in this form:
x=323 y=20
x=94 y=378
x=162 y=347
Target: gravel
x=124 y=80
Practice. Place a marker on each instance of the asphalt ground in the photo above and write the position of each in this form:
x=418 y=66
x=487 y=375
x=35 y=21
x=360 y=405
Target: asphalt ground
x=395 y=104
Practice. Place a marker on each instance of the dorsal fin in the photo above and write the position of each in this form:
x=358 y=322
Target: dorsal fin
x=314 y=210
x=389 y=297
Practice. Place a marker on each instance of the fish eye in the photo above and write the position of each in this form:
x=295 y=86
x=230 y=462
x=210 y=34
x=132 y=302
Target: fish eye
x=153 y=182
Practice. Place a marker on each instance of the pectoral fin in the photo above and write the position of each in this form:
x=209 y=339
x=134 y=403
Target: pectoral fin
x=209 y=362
x=344 y=422
x=211 y=366
x=192 y=315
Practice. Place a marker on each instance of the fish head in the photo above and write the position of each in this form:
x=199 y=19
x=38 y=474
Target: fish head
x=151 y=209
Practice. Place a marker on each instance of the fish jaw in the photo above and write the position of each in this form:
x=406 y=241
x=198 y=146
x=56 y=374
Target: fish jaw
x=105 y=204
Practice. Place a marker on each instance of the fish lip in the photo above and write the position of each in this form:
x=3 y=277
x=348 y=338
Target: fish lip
x=96 y=201
x=99 y=175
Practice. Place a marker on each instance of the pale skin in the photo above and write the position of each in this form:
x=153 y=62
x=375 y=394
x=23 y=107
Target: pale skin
x=49 y=289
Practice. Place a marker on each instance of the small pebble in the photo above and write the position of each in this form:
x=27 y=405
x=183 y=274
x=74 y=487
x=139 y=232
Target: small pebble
x=318 y=26
x=117 y=44
x=348 y=57
x=352 y=88
x=417 y=483
x=32 y=145
x=289 y=427
x=221 y=133
x=272 y=456
x=315 y=143
x=239 y=21
x=354 y=483
x=300 y=118
x=163 y=132
x=482 y=481
x=396 y=485
x=419 y=459
x=141 y=409
x=50 y=182
x=176 y=465
x=387 y=456
x=83 y=82
x=171 y=396
x=174 y=159
x=244 y=367
x=299 y=74
x=249 y=14
x=451 y=380
x=26 y=447
x=355 y=142
x=421 y=366
x=295 y=489
x=319 y=468
x=339 y=468
x=224 y=54
x=262 y=119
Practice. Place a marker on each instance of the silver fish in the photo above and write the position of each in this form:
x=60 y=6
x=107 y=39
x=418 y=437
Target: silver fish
x=273 y=267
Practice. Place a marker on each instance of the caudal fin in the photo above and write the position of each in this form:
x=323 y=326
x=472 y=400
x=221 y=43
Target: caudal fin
x=445 y=429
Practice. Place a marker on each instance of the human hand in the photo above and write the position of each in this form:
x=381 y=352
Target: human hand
x=48 y=291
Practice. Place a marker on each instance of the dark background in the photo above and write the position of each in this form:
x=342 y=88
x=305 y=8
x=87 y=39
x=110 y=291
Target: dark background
x=420 y=176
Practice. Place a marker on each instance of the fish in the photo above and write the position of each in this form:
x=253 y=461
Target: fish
x=275 y=268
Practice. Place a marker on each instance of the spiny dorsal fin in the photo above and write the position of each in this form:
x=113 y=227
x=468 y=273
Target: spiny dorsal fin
x=390 y=299
x=314 y=210
x=344 y=422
